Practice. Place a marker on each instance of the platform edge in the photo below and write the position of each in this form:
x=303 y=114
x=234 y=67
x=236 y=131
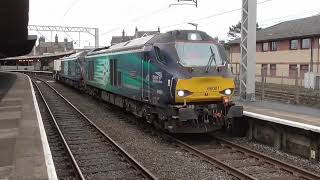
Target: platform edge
x=52 y=175
x=283 y=121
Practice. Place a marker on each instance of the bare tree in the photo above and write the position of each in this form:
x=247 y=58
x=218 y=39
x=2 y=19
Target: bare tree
x=235 y=30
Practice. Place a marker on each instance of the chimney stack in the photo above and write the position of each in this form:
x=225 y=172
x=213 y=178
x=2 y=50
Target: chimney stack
x=123 y=33
x=42 y=39
x=136 y=32
x=56 y=39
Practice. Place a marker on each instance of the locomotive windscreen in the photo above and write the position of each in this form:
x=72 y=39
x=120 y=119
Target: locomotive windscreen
x=199 y=54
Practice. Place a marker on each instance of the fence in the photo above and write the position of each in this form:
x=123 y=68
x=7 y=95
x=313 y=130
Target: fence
x=294 y=94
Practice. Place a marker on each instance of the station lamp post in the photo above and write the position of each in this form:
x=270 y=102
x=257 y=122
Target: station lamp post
x=195 y=25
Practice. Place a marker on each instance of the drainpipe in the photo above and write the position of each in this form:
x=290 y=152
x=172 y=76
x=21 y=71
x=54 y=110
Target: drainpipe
x=318 y=55
x=311 y=54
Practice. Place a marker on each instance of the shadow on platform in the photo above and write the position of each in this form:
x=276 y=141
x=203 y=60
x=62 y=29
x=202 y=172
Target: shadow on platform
x=6 y=82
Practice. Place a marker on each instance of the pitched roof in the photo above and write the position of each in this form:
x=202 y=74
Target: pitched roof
x=145 y=33
x=303 y=27
x=119 y=39
x=60 y=44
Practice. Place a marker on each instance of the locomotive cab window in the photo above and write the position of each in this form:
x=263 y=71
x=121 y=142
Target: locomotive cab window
x=160 y=56
x=193 y=54
x=146 y=56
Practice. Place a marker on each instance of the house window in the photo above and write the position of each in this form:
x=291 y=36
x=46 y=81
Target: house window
x=273 y=70
x=294 y=44
x=305 y=44
x=264 y=70
x=273 y=46
x=304 y=68
x=265 y=46
x=292 y=70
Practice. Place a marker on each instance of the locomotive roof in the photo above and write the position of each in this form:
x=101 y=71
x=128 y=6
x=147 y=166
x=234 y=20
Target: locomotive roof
x=74 y=56
x=179 y=35
x=139 y=43
x=132 y=43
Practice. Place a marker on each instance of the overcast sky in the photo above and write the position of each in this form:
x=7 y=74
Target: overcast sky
x=111 y=16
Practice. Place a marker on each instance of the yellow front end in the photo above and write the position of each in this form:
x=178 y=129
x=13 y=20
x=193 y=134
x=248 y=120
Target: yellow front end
x=203 y=89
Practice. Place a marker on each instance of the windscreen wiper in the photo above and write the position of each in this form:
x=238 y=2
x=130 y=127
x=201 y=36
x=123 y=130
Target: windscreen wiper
x=211 y=58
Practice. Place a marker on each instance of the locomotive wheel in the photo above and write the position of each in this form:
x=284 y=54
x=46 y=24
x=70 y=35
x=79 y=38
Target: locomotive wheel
x=157 y=123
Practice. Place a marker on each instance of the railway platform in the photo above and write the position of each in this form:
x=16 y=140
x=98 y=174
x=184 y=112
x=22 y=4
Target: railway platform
x=298 y=116
x=24 y=150
x=290 y=128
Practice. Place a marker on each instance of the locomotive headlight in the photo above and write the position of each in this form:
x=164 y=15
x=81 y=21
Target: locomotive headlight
x=180 y=93
x=193 y=36
x=227 y=92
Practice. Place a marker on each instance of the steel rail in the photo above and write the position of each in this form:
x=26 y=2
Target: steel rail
x=212 y=160
x=285 y=166
x=144 y=172
x=295 y=171
x=60 y=133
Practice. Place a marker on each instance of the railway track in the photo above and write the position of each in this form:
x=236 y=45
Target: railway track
x=241 y=162
x=238 y=161
x=64 y=166
x=93 y=153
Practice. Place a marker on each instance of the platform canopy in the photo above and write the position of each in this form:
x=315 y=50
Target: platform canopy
x=14 y=39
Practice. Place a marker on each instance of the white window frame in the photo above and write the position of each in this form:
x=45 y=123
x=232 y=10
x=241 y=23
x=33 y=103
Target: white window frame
x=275 y=45
x=264 y=46
x=308 y=45
x=291 y=44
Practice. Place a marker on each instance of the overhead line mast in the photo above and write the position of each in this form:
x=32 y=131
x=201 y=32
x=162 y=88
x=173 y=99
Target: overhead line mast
x=92 y=31
x=248 y=50
x=182 y=2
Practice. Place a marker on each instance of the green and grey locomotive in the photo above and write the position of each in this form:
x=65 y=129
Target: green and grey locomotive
x=179 y=81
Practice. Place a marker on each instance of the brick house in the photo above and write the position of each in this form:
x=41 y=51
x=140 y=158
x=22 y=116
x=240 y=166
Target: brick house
x=284 y=51
x=53 y=47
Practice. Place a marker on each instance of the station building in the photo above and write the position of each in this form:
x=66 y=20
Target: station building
x=52 y=47
x=285 y=51
x=40 y=58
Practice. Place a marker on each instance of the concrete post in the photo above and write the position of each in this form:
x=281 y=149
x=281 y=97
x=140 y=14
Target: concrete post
x=297 y=87
x=284 y=140
x=96 y=37
x=250 y=131
x=311 y=54
x=282 y=82
x=314 y=147
x=262 y=86
x=277 y=138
